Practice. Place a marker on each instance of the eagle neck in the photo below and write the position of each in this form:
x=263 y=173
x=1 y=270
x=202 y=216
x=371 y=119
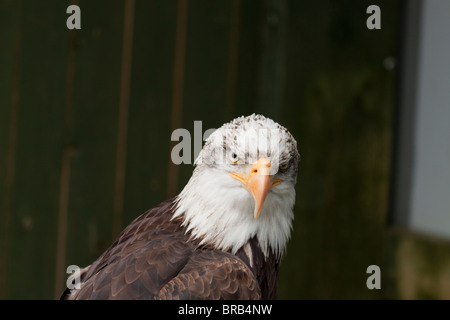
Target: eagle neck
x=219 y=214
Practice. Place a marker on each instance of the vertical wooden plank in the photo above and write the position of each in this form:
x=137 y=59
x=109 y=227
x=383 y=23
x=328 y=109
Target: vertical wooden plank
x=272 y=64
x=207 y=61
x=64 y=179
x=10 y=13
x=249 y=57
x=34 y=184
x=124 y=105
x=206 y=77
x=151 y=100
x=92 y=131
x=233 y=60
x=178 y=87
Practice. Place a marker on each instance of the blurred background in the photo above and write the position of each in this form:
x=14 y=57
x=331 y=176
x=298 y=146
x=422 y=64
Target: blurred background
x=86 y=118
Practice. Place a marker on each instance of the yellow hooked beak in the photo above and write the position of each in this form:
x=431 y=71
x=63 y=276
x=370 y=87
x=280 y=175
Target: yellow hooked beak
x=258 y=182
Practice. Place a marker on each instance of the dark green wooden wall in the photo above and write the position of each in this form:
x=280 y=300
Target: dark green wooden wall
x=86 y=118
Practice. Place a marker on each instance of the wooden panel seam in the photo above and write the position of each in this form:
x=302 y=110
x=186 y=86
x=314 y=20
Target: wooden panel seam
x=124 y=105
x=11 y=152
x=178 y=83
x=64 y=186
x=233 y=59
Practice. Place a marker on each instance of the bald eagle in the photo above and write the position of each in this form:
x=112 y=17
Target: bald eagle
x=222 y=237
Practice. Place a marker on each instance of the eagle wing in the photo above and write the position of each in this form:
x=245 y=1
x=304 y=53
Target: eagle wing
x=163 y=270
x=212 y=275
x=154 y=259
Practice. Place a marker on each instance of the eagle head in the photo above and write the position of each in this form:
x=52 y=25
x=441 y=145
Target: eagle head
x=243 y=186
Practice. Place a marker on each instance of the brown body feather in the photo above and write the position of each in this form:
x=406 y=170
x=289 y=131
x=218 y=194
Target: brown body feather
x=155 y=258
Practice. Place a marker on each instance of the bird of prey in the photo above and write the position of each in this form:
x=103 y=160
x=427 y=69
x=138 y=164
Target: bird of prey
x=222 y=237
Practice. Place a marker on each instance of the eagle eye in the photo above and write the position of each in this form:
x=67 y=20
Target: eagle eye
x=234 y=158
x=283 y=167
